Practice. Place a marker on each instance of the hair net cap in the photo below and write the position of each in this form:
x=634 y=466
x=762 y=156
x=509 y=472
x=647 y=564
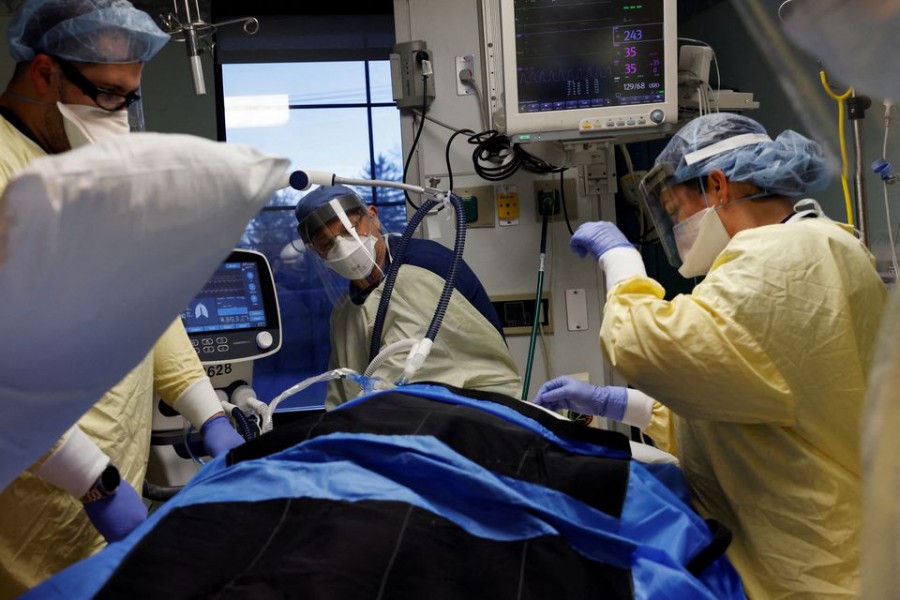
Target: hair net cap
x=321 y=196
x=790 y=165
x=315 y=209
x=94 y=31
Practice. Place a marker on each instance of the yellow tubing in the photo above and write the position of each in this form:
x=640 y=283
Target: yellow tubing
x=844 y=165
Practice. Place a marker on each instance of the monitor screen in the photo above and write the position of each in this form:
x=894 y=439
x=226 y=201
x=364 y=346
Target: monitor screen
x=588 y=65
x=231 y=299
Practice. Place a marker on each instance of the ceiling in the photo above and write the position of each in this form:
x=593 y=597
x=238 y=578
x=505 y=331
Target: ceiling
x=232 y=8
x=153 y=7
x=239 y=7
x=156 y=8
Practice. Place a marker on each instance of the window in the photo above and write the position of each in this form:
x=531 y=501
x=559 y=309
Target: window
x=326 y=116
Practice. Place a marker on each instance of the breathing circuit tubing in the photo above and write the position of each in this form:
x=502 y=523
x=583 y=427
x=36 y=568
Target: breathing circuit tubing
x=397 y=259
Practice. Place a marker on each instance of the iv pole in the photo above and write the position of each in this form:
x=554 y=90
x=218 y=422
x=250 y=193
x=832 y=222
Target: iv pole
x=187 y=26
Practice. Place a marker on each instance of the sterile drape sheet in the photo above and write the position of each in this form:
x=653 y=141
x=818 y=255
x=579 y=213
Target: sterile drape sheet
x=418 y=492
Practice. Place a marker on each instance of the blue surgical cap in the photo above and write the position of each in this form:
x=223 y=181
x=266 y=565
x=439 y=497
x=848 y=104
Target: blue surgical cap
x=93 y=31
x=317 y=203
x=790 y=165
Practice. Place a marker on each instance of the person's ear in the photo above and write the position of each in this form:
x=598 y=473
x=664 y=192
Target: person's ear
x=373 y=212
x=717 y=186
x=44 y=73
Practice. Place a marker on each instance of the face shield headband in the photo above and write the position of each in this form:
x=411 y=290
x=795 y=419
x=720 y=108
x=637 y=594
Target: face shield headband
x=658 y=185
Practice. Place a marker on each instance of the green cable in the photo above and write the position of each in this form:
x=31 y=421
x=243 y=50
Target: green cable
x=534 y=328
x=537 y=305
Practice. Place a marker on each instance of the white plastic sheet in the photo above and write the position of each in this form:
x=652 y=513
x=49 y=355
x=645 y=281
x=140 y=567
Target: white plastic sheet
x=107 y=244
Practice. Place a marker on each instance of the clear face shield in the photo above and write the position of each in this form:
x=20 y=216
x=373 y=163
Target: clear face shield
x=345 y=238
x=658 y=194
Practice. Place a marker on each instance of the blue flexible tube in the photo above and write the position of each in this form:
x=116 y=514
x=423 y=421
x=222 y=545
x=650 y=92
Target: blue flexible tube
x=398 y=256
x=243 y=425
x=396 y=260
x=458 y=247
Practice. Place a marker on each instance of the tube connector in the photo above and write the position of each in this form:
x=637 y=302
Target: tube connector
x=228 y=407
x=444 y=201
x=244 y=397
x=884 y=170
x=414 y=360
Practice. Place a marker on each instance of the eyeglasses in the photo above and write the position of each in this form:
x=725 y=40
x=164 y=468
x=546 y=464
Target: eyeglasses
x=104 y=98
x=323 y=240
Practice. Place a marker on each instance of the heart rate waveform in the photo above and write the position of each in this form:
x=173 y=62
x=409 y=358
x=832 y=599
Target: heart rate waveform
x=539 y=76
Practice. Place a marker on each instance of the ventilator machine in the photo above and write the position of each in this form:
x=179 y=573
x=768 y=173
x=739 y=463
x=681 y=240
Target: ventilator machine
x=233 y=321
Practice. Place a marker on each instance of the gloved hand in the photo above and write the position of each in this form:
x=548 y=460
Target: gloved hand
x=574 y=394
x=597 y=237
x=219 y=436
x=117 y=515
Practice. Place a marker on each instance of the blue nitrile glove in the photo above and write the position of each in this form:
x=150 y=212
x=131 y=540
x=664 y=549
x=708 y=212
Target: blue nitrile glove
x=576 y=395
x=596 y=238
x=117 y=515
x=219 y=436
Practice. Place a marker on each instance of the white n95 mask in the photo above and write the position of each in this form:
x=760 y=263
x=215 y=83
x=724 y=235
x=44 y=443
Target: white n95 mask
x=88 y=124
x=700 y=239
x=352 y=259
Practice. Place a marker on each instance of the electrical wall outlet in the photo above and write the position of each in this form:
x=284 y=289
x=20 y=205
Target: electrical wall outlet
x=548 y=203
x=516 y=313
x=410 y=63
x=465 y=67
x=508 y=206
x=478 y=202
x=543 y=187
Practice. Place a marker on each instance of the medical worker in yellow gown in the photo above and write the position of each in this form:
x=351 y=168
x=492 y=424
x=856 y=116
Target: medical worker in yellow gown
x=79 y=63
x=763 y=365
x=849 y=37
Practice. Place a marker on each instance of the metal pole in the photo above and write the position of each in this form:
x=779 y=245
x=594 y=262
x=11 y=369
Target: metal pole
x=857 y=106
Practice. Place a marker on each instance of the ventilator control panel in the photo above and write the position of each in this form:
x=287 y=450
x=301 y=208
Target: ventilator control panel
x=235 y=316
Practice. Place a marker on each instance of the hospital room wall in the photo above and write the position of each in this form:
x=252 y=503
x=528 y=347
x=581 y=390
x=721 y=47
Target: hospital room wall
x=506 y=258
x=170 y=104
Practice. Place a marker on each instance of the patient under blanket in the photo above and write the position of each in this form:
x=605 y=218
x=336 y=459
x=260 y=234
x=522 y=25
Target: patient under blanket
x=419 y=492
